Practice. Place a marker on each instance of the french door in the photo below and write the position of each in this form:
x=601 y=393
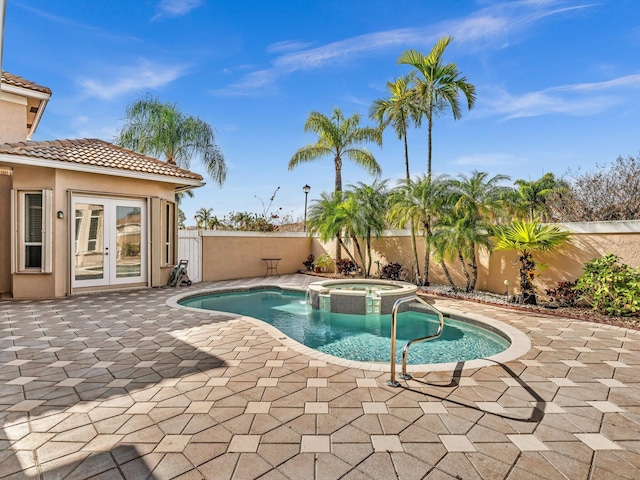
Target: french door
x=109 y=241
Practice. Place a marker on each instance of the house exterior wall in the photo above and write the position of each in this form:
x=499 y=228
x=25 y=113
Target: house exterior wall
x=13 y=118
x=64 y=183
x=5 y=240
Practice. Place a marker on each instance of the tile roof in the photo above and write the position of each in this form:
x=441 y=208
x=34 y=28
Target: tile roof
x=94 y=152
x=17 y=81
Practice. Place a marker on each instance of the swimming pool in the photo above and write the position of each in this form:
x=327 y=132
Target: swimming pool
x=363 y=338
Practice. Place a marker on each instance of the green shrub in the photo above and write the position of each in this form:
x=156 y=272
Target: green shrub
x=610 y=286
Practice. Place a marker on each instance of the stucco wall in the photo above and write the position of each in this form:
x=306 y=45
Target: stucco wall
x=5 y=240
x=229 y=255
x=588 y=240
x=62 y=182
x=13 y=118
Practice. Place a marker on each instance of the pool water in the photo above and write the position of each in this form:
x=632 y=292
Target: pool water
x=364 y=338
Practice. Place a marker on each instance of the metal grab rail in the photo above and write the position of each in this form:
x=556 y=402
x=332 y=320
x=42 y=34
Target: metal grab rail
x=394 y=313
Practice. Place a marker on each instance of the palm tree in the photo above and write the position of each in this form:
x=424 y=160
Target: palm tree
x=526 y=238
x=416 y=204
x=162 y=131
x=326 y=218
x=399 y=110
x=341 y=138
x=479 y=200
x=438 y=85
x=371 y=202
x=203 y=217
x=531 y=196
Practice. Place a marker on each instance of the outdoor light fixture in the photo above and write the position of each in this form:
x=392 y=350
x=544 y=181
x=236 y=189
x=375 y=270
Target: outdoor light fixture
x=305 y=189
x=60 y=214
x=506 y=288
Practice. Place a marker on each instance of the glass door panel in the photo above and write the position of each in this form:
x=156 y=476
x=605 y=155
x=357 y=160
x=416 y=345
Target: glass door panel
x=89 y=242
x=128 y=241
x=109 y=241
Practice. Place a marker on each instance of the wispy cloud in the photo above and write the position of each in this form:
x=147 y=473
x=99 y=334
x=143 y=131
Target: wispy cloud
x=146 y=75
x=492 y=24
x=288 y=46
x=486 y=160
x=76 y=25
x=576 y=99
x=175 y=8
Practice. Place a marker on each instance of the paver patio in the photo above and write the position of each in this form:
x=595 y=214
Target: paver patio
x=120 y=385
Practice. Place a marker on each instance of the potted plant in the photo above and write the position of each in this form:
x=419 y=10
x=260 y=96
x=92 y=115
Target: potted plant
x=323 y=263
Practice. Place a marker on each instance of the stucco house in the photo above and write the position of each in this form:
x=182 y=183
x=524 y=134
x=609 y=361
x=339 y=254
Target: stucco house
x=79 y=215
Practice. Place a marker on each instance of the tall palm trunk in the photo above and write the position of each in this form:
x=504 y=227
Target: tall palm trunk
x=447 y=274
x=369 y=259
x=427 y=250
x=474 y=267
x=464 y=271
x=414 y=246
x=359 y=250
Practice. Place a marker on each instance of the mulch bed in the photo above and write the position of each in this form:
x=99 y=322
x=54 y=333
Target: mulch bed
x=578 y=313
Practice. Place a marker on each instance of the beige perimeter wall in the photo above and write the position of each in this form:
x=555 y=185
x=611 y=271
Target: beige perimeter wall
x=230 y=255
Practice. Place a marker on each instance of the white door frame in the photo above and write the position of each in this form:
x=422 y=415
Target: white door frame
x=105 y=241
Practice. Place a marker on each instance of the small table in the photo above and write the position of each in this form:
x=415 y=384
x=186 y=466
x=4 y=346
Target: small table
x=272 y=266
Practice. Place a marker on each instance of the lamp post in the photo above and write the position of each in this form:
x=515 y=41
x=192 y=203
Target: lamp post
x=305 y=189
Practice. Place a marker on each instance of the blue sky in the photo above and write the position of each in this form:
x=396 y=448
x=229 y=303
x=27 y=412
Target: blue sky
x=558 y=82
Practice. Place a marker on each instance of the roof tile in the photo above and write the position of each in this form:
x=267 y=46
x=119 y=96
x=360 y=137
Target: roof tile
x=17 y=81
x=91 y=151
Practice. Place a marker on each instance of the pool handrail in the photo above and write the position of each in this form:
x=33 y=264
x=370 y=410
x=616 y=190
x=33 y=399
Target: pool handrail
x=392 y=382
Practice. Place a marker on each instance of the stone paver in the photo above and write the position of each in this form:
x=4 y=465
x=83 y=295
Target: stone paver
x=122 y=385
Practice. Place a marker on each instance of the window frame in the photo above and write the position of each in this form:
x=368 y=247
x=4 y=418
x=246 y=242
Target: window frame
x=20 y=242
x=168 y=232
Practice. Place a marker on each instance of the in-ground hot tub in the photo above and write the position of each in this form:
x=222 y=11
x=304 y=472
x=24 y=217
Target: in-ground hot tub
x=358 y=296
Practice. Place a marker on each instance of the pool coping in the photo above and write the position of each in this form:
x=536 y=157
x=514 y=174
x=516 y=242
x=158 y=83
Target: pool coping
x=520 y=343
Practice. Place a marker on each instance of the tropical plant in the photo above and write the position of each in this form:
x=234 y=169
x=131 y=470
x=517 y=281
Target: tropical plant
x=527 y=238
x=341 y=138
x=531 y=196
x=399 y=110
x=163 y=131
x=325 y=262
x=478 y=201
x=326 y=218
x=370 y=203
x=565 y=293
x=437 y=86
x=416 y=204
x=610 y=286
x=203 y=217
x=392 y=271
x=346 y=266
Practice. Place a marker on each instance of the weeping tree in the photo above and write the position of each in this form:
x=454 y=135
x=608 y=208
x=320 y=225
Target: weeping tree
x=162 y=131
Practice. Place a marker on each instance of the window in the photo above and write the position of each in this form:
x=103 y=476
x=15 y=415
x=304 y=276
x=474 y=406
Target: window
x=32 y=230
x=168 y=233
x=32 y=225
